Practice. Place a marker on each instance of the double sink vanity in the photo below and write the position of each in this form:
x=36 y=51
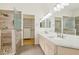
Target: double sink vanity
x=52 y=45
x=64 y=40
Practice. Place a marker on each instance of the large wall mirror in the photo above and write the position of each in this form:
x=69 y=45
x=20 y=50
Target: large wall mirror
x=48 y=23
x=69 y=23
x=42 y=24
x=45 y=23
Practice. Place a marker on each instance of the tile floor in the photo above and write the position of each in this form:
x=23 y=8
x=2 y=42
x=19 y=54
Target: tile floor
x=30 y=50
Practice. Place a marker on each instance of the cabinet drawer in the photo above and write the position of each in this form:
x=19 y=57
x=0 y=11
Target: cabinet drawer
x=49 y=50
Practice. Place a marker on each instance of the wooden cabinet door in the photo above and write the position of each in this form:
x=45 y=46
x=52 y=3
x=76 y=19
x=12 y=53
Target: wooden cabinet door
x=41 y=42
x=0 y=39
x=67 y=51
x=49 y=48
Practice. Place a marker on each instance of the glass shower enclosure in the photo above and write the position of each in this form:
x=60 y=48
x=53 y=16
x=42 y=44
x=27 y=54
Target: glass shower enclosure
x=10 y=25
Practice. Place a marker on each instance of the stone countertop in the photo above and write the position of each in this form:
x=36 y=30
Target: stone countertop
x=66 y=41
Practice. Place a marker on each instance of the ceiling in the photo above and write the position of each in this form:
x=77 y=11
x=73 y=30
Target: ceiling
x=28 y=7
x=36 y=7
x=72 y=7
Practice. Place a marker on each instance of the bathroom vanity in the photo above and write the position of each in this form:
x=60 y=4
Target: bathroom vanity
x=64 y=40
x=47 y=46
x=58 y=46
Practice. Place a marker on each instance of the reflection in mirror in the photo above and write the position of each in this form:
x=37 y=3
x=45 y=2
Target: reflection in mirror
x=77 y=25
x=42 y=24
x=68 y=25
x=48 y=23
x=45 y=23
x=58 y=24
x=70 y=19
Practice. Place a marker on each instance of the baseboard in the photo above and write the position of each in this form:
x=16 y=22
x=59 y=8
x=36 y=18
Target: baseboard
x=28 y=38
x=41 y=48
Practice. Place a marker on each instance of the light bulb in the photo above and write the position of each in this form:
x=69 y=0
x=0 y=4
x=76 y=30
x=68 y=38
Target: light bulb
x=45 y=17
x=58 y=6
x=65 y=4
x=48 y=15
x=55 y=9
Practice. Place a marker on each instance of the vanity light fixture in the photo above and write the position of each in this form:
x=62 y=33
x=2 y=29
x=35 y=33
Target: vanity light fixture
x=47 y=16
x=55 y=9
x=60 y=6
x=65 y=4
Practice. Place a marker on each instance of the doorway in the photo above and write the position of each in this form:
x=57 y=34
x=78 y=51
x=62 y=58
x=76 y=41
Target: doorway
x=28 y=30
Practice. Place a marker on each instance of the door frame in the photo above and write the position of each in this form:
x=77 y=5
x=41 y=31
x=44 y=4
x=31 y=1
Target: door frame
x=22 y=29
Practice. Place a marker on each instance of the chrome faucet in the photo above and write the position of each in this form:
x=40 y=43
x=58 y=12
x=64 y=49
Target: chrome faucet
x=46 y=32
x=59 y=35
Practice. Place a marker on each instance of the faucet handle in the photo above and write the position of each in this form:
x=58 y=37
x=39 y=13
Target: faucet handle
x=59 y=35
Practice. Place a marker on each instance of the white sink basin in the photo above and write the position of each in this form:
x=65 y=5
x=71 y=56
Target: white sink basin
x=58 y=38
x=51 y=36
x=65 y=41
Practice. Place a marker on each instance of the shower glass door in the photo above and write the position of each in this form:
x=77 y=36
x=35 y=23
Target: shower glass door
x=17 y=28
